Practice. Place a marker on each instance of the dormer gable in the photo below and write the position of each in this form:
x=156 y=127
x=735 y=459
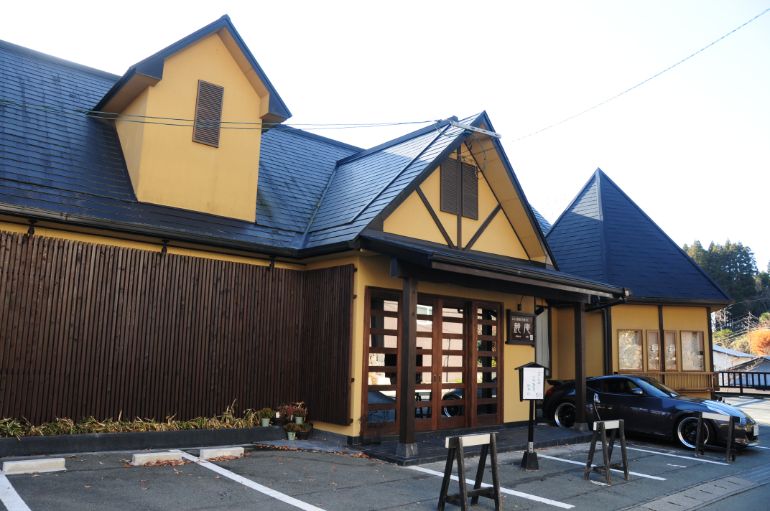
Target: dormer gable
x=470 y=200
x=190 y=119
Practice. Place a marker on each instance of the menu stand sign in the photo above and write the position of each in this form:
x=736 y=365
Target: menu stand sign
x=531 y=388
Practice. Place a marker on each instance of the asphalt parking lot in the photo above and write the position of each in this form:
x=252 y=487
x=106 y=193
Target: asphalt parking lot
x=663 y=477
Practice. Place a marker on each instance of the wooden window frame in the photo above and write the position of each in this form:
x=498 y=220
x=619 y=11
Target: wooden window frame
x=680 y=361
x=644 y=354
x=678 y=347
x=646 y=361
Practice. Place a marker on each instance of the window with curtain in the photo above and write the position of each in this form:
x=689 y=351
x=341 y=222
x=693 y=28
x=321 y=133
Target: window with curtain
x=630 y=350
x=692 y=351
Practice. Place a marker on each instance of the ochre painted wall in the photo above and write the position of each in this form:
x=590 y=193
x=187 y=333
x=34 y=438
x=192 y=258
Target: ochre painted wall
x=563 y=343
x=166 y=167
x=594 y=338
x=411 y=218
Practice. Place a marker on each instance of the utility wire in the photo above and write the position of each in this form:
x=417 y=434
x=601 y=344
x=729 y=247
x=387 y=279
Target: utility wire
x=646 y=80
x=251 y=125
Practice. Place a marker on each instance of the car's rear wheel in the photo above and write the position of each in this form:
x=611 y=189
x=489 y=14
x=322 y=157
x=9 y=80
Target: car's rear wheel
x=564 y=415
x=687 y=431
x=449 y=410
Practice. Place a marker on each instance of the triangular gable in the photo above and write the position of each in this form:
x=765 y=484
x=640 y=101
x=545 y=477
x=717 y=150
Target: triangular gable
x=604 y=235
x=505 y=224
x=150 y=71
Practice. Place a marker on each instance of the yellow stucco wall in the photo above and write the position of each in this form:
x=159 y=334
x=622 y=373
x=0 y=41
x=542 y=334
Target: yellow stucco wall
x=166 y=166
x=594 y=338
x=563 y=343
x=411 y=218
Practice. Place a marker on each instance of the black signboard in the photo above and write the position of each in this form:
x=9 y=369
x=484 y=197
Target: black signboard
x=521 y=327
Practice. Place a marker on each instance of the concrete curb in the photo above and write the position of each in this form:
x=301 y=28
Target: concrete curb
x=37 y=466
x=221 y=452
x=146 y=458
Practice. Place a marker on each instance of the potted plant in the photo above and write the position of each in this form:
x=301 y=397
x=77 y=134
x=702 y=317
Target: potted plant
x=291 y=430
x=265 y=415
x=300 y=412
x=305 y=429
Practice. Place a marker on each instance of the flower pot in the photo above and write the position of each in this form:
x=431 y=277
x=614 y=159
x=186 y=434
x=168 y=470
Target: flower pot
x=291 y=435
x=299 y=419
x=304 y=435
x=264 y=422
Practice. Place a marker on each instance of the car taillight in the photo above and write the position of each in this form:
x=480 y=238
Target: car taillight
x=549 y=391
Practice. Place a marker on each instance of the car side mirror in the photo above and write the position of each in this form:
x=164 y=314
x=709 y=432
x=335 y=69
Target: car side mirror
x=637 y=391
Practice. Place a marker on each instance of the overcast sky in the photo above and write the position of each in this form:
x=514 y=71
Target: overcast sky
x=691 y=147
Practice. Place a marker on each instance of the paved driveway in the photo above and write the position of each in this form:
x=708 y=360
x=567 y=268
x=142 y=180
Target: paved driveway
x=663 y=477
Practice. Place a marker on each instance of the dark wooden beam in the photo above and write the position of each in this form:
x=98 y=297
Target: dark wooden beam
x=580 y=369
x=483 y=227
x=434 y=216
x=607 y=320
x=711 y=343
x=662 y=339
x=459 y=197
x=406 y=441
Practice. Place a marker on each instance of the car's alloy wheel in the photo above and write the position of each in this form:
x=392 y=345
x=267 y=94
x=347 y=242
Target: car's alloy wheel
x=448 y=410
x=564 y=416
x=687 y=431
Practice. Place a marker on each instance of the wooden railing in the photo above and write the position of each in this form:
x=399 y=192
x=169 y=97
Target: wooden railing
x=744 y=380
x=685 y=381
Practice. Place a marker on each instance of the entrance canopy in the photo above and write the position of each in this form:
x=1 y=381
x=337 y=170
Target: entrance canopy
x=432 y=261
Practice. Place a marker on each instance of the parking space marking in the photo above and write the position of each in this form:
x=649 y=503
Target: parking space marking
x=507 y=491
x=677 y=466
x=691 y=458
x=8 y=496
x=250 y=484
x=761 y=447
x=637 y=474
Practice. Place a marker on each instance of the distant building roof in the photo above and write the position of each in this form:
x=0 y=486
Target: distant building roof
x=732 y=353
x=603 y=235
x=756 y=365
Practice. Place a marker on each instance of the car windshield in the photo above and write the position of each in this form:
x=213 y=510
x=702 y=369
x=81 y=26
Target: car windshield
x=659 y=387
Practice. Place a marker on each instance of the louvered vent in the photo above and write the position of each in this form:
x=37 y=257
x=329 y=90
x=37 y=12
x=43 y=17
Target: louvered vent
x=452 y=191
x=208 y=113
x=470 y=192
x=450 y=186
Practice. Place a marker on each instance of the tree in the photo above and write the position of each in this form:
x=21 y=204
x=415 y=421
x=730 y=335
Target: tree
x=733 y=267
x=759 y=341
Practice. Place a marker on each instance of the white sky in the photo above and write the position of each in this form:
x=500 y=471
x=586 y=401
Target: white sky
x=691 y=147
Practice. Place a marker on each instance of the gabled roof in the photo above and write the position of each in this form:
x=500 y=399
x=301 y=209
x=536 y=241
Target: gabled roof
x=57 y=163
x=732 y=353
x=542 y=222
x=150 y=70
x=603 y=235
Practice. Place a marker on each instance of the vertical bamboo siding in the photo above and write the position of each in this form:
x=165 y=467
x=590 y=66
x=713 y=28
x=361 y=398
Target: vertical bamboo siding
x=97 y=330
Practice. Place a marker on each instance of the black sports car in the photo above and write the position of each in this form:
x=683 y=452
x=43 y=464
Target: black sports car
x=648 y=407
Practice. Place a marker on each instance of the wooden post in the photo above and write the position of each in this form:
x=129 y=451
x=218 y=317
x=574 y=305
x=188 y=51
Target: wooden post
x=580 y=369
x=407 y=447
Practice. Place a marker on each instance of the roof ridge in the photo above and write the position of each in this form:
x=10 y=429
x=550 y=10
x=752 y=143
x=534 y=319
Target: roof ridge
x=321 y=138
x=395 y=141
x=56 y=60
x=667 y=237
x=571 y=204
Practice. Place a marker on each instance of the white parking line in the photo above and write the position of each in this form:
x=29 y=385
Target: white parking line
x=637 y=474
x=507 y=491
x=10 y=499
x=251 y=484
x=692 y=458
x=761 y=447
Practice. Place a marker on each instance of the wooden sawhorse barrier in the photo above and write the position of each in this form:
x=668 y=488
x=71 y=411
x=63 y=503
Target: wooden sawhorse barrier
x=700 y=441
x=600 y=433
x=456 y=444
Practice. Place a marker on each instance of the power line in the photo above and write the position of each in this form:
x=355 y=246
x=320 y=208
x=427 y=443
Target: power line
x=646 y=80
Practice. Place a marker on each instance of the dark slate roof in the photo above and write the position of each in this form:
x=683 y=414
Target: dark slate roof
x=544 y=224
x=603 y=235
x=58 y=163
x=152 y=66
